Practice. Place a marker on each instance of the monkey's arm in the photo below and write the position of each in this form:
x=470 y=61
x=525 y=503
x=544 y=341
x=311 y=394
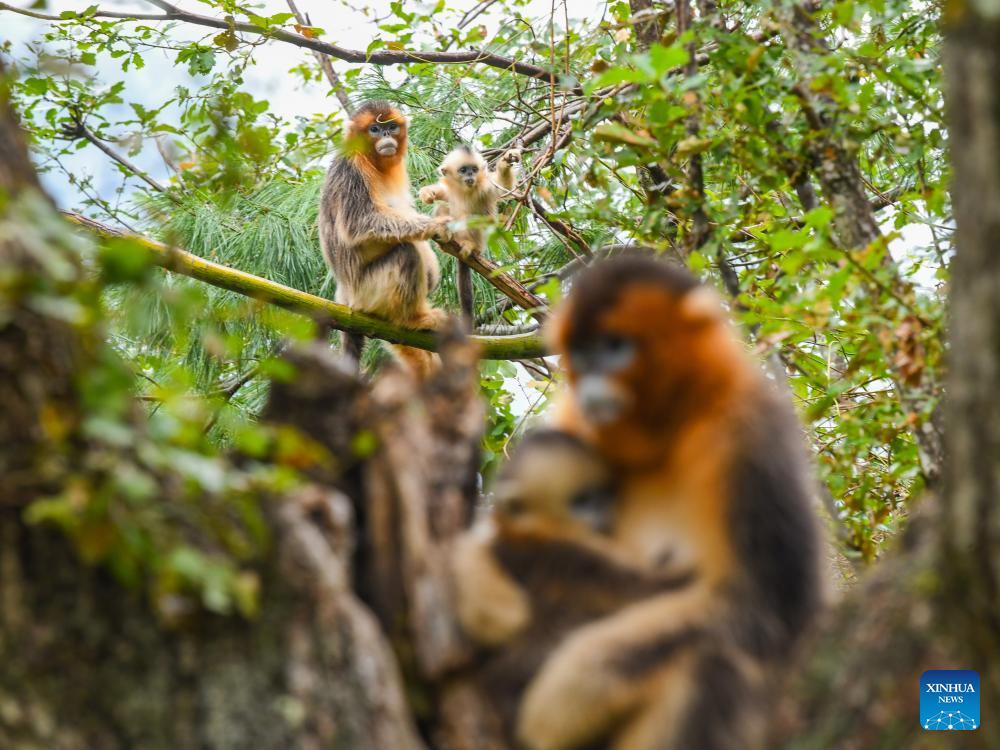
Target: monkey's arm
x=498 y=567
x=360 y=221
x=364 y=223
x=606 y=670
x=490 y=605
x=432 y=193
x=505 y=174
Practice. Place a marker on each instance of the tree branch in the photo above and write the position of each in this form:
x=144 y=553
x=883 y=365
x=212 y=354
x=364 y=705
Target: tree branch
x=325 y=65
x=379 y=57
x=473 y=13
x=563 y=231
x=80 y=130
x=510 y=287
x=337 y=316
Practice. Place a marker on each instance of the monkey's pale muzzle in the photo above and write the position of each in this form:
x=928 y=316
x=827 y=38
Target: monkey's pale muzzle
x=601 y=400
x=386 y=147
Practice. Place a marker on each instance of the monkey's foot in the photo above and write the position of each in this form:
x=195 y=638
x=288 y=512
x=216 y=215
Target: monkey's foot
x=430 y=319
x=466 y=249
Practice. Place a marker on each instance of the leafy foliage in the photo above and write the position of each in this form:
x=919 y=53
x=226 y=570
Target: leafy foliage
x=701 y=143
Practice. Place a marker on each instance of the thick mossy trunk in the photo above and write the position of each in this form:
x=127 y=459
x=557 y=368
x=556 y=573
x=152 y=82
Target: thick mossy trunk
x=85 y=664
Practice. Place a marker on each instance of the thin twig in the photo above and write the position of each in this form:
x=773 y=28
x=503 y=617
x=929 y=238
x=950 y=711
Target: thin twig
x=324 y=63
x=378 y=57
x=80 y=130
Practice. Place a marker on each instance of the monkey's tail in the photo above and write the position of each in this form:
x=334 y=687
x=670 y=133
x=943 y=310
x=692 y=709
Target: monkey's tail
x=421 y=363
x=465 y=294
x=352 y=344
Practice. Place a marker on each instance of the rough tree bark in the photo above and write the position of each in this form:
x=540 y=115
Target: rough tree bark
x=85 y=663
x=971 y=533
x=934 y=604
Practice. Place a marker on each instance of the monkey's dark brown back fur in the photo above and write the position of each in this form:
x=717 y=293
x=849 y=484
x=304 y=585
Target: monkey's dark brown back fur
x=569 y=585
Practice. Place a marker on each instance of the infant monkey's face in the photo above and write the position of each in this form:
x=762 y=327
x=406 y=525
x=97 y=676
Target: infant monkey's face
x=555 y=476
x=468 y=173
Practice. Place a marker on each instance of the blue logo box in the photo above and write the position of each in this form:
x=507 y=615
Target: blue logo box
x=949 y=699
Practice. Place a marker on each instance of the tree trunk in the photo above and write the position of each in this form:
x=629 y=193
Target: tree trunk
x=85 y=663
x=935 y=604
x=971 y=528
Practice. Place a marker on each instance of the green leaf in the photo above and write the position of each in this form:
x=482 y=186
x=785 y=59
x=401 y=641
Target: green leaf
x=615 y=133
x=665 y=59
x=36 y=86
x=819 y=217
x=614 y=76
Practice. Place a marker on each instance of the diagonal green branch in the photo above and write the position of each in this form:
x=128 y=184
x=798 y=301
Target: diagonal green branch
x=521 y=346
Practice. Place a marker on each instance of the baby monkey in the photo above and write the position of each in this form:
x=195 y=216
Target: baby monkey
x=542 y=564
x=467 y=189
x=554 y=493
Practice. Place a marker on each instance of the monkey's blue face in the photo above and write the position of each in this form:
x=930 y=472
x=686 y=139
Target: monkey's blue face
x=467 y=173
x=377 y=129
x=598 y=360
x=386 y=137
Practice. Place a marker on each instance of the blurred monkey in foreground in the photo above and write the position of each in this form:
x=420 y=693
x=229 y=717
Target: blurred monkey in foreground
x=711 y=476
x=542 y=564
x=373 y=238
x=468 y=188
x=659 y=622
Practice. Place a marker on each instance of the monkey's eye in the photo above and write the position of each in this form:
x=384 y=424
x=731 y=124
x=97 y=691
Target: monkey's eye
x=594 y=506
x=606 y=352
x=373 y=129
x=393 y=127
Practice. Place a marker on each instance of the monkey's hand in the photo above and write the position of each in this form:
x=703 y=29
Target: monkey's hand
x=512 y=156
x=504 y=176
x=439 y=230
x=430 y=194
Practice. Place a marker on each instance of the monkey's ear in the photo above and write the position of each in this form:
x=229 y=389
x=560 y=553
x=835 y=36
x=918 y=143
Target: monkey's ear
x=701 y=304
x=442 y=170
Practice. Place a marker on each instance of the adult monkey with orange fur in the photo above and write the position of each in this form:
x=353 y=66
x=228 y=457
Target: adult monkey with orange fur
x=468 y=188
x=711 y=476
x=373 y=239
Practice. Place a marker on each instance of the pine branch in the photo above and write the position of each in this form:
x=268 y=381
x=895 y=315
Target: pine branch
x=524 y=346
